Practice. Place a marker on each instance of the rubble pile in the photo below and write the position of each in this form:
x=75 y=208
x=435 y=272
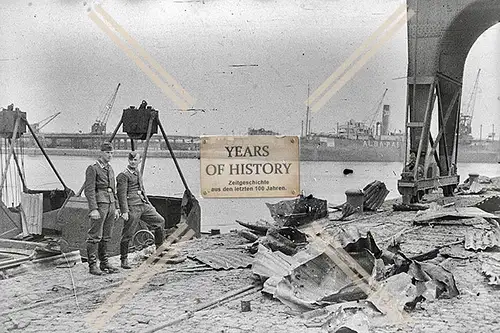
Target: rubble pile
x=309 y=269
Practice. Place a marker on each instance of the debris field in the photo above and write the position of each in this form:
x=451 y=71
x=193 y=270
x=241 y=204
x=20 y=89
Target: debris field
x=311 y=267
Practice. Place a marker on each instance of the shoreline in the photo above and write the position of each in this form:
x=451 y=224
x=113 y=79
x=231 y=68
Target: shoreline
x=195 y=154
x=118 y=152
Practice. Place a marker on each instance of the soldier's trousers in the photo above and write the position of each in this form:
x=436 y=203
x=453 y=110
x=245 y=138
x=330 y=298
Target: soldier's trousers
x=148 y=214
x=100 y=229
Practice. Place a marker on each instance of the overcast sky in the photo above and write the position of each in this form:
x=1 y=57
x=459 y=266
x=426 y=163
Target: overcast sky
x=54 y=58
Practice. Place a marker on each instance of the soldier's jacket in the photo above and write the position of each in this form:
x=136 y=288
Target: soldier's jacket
x=130 y=189
x=100 y=185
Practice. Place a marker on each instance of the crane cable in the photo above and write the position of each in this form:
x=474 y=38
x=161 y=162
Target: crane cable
x=1 y=165
x=377 y=108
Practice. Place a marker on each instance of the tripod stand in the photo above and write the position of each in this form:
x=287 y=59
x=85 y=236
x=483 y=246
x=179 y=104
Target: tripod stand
x=140 y=124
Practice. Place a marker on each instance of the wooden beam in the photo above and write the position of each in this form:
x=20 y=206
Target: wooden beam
x=9 y=156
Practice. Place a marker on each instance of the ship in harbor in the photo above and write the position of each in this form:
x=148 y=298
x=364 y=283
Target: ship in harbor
x=354 y=141
x=358 y=142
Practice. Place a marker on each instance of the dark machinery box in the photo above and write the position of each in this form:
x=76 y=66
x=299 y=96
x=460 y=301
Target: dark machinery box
x=136 y=121
x=8 y=121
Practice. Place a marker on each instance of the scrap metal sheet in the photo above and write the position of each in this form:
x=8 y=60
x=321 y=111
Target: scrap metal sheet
x=374 y=195
x=318 y=280
x=451 y=213
x=224 y=259
x=477 y=240
x=267 y=263
x=490 y=205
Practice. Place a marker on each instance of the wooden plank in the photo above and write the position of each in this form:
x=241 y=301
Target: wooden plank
x=17 y=244
x=32 y=205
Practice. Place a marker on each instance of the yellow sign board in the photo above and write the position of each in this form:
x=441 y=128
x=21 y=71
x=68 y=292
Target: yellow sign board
x=249 y=166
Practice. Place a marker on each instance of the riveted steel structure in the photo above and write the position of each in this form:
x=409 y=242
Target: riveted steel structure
x=440 y=36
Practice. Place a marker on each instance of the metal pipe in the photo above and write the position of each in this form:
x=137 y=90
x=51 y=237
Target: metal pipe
x=226 y=297
x=172 y=154
x=148 y=138
x=15 y=262
x=46 y=156
x=457 y=120
x=116 y=130
x=415 y=60
x=25 y=188
x=9 y=156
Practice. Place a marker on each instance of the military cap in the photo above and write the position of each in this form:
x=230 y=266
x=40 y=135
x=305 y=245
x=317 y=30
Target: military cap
x=106 y=146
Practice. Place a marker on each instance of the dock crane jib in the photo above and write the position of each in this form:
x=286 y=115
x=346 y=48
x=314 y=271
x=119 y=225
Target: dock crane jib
x=465 y=124
x=44 y=122
x=99 y=126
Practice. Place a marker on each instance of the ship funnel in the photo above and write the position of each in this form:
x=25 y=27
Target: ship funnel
x=385 y=120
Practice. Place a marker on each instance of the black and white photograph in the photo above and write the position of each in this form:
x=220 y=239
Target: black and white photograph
x=249 y=166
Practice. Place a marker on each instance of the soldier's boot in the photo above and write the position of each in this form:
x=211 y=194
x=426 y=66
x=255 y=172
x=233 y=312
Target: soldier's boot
x=159 y=237
x=92 y=259
x=124 y=255
x=104 y=264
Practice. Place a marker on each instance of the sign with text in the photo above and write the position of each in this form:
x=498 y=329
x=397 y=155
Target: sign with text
x=249 y=166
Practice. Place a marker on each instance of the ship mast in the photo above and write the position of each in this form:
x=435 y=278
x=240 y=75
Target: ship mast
x=307 y=113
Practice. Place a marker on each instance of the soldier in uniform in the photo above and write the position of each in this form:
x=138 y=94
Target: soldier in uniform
x=134 y=205
x=103 y=206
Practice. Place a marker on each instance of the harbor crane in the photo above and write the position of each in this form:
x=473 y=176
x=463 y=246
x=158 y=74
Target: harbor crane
x=99 y=126
x=376 y=110
x=44 y=122
x=465 y=125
